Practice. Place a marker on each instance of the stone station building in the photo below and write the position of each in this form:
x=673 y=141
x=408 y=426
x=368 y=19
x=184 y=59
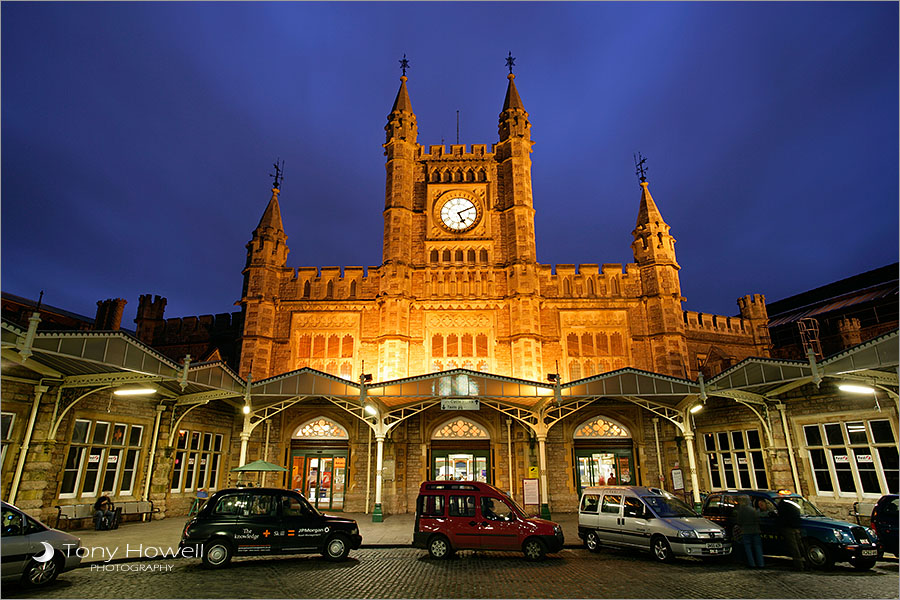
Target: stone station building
x=458 y=356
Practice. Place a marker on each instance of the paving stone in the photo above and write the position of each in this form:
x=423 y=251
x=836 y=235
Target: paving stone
x=411 y=573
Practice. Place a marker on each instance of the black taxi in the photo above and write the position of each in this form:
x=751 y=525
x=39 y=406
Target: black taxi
x=262 y=521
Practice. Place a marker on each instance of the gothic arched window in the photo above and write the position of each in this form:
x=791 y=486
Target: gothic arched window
x=347 y=347
x=601 y=427
x=574 y=370
x=329 y=289
x=321 y=428
x=306 y=289
x=470 y=256
x=452 y=345
x=459 y=256
x=467 y=349
x=460 y=429
x=353 y=289
x=434 y=256
x=446 y=257
x=483 y=256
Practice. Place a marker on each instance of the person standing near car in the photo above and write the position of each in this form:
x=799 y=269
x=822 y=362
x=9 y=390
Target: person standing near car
x=748 y=521
x=790 y=524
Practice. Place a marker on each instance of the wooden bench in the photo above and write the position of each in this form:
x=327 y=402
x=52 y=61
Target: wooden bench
x=77 y=512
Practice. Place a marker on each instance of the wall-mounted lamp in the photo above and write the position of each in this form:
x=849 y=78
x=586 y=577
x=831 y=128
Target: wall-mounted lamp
x=371 y=410
x=246 y=409
x=552 y=377
x=367 y=377
x=134 y=390
x=856 y=389
x=696 y=408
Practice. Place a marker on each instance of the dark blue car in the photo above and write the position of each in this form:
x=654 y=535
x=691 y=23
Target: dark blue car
x=884 y=522
x=825 y=540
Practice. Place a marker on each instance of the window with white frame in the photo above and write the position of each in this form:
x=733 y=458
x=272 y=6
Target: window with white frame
x=103 y=456
x=6 y=426
x=850 y=457
x=734 y=459
x=198 y=460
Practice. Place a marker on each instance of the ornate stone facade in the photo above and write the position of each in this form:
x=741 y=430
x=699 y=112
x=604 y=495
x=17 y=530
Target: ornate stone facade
x=459 y=285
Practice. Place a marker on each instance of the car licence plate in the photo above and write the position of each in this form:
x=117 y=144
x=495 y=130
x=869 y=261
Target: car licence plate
x=869 y=552
x=714 y=545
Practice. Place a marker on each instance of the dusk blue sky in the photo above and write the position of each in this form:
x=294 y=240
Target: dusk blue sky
x=137 y=137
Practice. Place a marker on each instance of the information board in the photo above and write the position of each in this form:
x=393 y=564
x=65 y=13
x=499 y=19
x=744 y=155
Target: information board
x=677 y=479
x=531 y=491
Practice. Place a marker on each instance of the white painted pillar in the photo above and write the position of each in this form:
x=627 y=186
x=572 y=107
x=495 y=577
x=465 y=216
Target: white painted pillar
x=377 y=515
x=245 y=438
x=659 y=462
x=692 y=462
x=790 y=447
x=545 y=488
x=26 y=442
x=160 y=408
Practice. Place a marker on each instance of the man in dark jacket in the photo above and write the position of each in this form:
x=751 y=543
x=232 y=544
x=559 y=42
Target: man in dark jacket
x=790 y=523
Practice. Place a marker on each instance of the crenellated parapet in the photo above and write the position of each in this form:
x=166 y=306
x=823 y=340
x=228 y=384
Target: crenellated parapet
x=589 y=280
x=331 y=283
x=709 y=323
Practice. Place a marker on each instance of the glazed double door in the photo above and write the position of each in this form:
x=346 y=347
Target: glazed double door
x=321 y=476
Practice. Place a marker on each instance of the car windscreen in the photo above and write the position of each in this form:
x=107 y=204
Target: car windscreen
x=807 y=508
x=668 y=507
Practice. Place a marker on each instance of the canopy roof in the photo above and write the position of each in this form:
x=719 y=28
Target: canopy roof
x=108 y=359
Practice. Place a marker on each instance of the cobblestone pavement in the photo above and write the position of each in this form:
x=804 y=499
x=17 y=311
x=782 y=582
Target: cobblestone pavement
x=410 y=573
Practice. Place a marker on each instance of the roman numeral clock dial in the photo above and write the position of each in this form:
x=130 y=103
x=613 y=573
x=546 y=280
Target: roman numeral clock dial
x=459 y=214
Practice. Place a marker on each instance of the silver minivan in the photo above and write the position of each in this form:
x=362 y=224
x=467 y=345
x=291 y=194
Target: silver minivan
x=649 y=519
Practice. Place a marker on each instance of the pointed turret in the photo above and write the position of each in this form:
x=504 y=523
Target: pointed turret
x=512 y=99
x=401 y=150
x=268 y=244
x=271 y=218
x=513 y=118
x=264 y=273
x=401 y=123
x=653 y=244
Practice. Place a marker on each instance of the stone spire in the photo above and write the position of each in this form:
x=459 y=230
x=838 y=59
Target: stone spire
x=272 y=216
x=513 y=118
x=653 y=244
x=648 y=212
x=401 y=123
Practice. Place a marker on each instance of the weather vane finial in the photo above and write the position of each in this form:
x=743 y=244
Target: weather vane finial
x=404 y=64
x=278 y=174
x=510 y=62
x=639 y=169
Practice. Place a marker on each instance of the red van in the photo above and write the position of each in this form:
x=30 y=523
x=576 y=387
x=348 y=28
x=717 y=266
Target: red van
x=470 y=515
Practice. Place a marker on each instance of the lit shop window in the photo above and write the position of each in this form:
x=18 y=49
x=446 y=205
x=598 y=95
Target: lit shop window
x=853 y=456
x=734 y=459
x=102 y=457
x=198 y=460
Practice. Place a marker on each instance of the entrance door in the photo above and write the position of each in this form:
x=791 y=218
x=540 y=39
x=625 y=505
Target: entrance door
x=462 y=466
x=320 y=477
x=605 y=467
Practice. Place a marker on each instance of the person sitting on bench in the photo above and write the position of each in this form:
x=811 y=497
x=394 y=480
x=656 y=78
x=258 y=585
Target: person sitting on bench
x=104 y=513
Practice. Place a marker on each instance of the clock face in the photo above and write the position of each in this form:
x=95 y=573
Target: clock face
x=459 y=214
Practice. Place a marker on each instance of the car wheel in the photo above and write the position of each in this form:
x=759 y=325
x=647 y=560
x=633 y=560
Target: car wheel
x=41 y=573
x=661 y=549
x=439 y=547
x=337 y=547
x=217 y=553
x=592 y=542
x=818 y=555
x=533 y=549
x=863 y=564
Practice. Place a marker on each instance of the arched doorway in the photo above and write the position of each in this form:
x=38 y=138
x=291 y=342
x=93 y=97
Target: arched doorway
x=461 y=450
x=604 y=453
x=319 y=457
